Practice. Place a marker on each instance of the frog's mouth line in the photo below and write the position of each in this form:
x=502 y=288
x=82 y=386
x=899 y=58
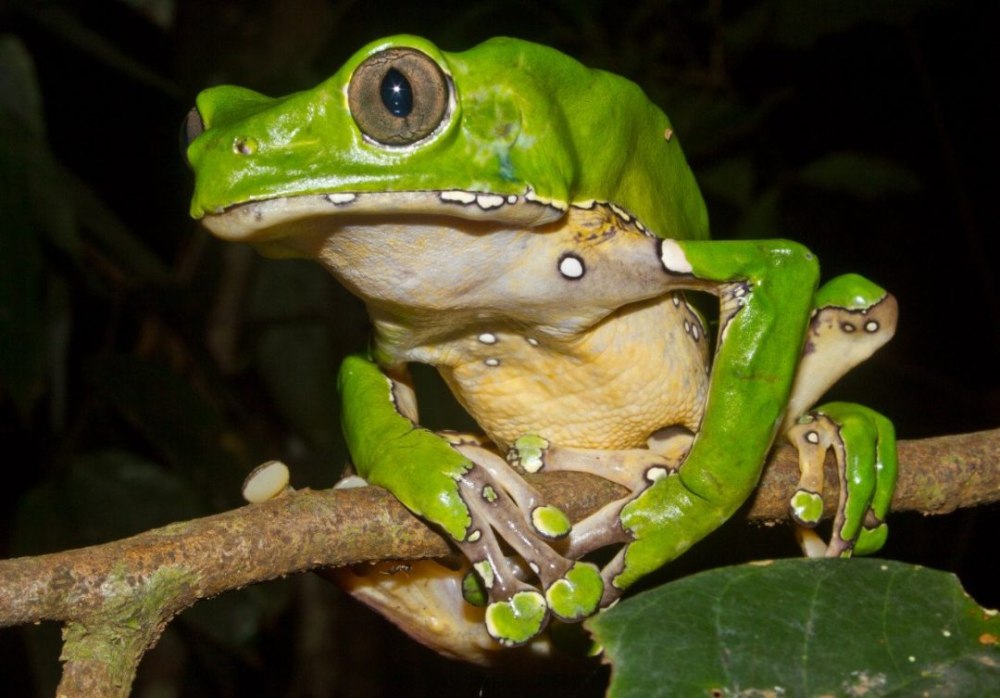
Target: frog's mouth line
x=271 y=219
x=260 y=221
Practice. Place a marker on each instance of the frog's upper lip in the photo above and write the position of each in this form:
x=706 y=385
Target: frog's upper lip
x=267 y=219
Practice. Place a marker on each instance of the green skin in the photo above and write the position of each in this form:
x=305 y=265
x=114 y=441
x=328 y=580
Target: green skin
x=550 y=147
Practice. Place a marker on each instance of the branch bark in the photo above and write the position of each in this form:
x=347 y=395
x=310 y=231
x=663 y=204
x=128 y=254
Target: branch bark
x=115 y=599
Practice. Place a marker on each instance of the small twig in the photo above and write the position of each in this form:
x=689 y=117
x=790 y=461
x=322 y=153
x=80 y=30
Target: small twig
x=115 y=599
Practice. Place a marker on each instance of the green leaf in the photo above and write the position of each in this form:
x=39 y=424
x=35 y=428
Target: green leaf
x=803 y=628
x=859 y=175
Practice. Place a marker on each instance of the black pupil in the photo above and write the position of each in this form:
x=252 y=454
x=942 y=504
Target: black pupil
x=396 y=93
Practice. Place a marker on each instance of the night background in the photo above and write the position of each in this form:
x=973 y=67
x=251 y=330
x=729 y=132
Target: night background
x=146 y=368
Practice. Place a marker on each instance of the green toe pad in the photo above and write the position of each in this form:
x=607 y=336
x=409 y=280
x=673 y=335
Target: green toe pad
x=517 y=620
x=578 y=594
x=807 y=507
x=550 y=522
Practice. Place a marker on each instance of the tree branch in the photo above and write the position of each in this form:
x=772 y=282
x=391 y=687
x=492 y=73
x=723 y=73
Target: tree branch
x=115 y=599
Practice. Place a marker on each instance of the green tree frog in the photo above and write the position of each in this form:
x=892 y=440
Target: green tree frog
x=528 y=226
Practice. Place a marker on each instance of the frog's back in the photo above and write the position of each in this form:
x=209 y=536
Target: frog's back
x=613 y=143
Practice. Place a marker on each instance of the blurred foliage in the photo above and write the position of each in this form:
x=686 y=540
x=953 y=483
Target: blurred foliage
x=145 y=368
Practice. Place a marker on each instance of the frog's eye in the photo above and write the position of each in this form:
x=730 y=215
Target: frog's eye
x=192 y=127
x=398 y=96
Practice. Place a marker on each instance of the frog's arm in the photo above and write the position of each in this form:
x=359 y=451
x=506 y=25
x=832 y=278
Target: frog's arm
x=471 y=497
x=766 y=292
x=383 y=441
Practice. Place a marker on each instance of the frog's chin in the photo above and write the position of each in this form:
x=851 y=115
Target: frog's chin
x=310 y=215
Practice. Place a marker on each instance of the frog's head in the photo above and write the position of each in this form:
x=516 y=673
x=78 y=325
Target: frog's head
x=509 y=132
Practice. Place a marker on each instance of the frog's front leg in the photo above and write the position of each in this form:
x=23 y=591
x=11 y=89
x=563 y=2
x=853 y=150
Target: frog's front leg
x=854 y=317
x=765 y=290
x=474 y=497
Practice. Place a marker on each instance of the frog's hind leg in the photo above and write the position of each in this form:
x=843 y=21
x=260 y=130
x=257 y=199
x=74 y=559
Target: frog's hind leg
x=498 y=498
x=634 y=469
x=853 y=319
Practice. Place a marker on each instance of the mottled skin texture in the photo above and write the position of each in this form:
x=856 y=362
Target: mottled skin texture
x=528 y=226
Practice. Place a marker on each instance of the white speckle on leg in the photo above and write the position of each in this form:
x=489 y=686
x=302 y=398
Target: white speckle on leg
x=673 y=258
x=571 y=266
x=656 y=473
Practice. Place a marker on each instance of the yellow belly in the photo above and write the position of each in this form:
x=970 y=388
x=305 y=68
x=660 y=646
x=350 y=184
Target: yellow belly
x=641 y=369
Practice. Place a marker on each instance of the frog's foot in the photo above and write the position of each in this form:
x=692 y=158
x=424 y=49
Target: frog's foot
x=634 y=469
x=864 y=446
x=504 y=507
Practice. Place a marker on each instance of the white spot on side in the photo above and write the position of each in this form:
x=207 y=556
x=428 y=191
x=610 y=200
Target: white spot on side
x=812 y=437
x=475 y=535
x=341 y=199
x=847 y=327
x=912 y=658
x=571 y=267
x=622 y=213
x=534 y=567
x=946 y=633
x=676 y=298
x=695 y=331
x=532 y=341
x=530 y=195
x=488 y=201
x=656 y=473
x=673 y=258
x=458 y=197
x=668 y=134
x=871 y=326
x=492 y=362
x=512 y=199
x=488 y=338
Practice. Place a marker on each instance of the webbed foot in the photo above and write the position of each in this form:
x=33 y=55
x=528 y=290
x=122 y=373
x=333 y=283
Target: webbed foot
x=864 y=445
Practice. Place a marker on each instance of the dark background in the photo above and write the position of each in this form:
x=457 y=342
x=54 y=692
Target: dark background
x=146 y=368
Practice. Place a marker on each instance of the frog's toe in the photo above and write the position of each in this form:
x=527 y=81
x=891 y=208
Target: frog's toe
x=864 y=445
x=806 y=507
x=545 y=519
x=577 y=594
x=518 y=619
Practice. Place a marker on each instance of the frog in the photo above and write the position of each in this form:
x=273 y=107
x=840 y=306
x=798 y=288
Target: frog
x=530 y=227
